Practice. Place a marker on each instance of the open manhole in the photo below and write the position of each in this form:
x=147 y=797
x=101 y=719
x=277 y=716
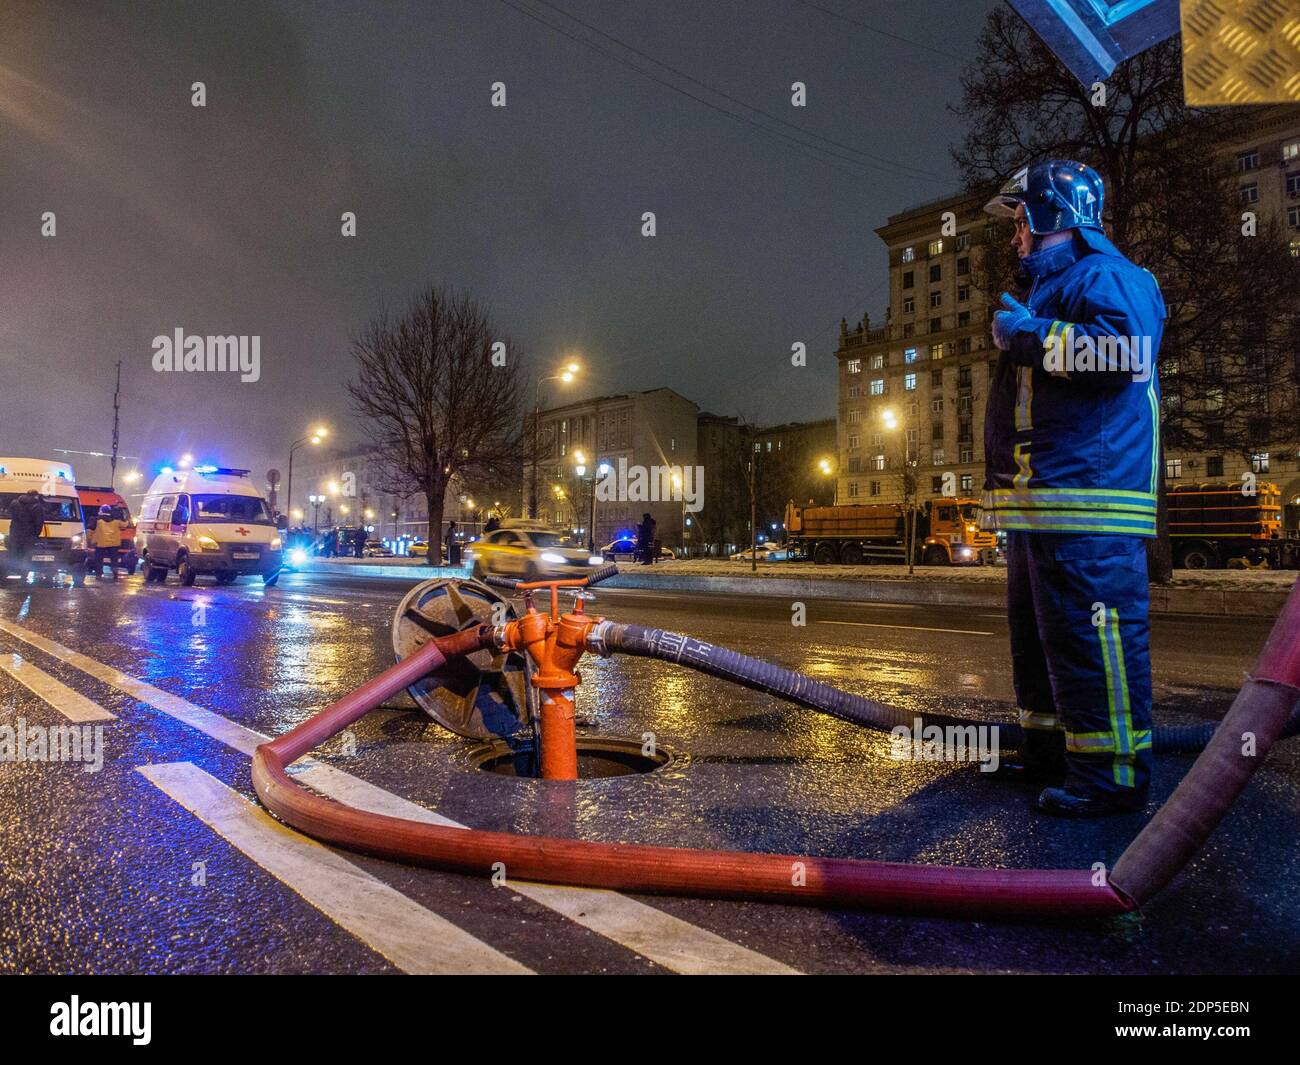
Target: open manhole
x=598 y=758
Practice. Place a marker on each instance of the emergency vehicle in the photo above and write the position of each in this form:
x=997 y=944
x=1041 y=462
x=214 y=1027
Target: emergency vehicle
x=208 y=520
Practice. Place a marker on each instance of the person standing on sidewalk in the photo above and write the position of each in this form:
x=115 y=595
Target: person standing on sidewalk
x=1071 y=447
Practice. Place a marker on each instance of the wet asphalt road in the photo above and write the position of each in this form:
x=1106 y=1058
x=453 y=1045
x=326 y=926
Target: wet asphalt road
x=111 y=872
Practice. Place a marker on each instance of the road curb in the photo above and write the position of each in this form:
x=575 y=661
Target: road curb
x=1227 y=602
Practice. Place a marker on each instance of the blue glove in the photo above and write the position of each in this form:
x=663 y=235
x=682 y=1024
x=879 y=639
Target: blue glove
x=1006 y=322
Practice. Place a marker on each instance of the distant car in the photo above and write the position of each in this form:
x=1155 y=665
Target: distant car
x=530 y=552
x=624 y=550
x=766 y=553
x=378 y=551
x=418 y=549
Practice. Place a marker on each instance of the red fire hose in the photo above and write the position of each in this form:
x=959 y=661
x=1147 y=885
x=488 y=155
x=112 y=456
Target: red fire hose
x=1158 y=853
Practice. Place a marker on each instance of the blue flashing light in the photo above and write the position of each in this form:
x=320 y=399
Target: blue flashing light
x=206 y=469
x=166 y=471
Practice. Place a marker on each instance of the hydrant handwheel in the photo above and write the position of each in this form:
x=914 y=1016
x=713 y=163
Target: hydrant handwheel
x=481 y=696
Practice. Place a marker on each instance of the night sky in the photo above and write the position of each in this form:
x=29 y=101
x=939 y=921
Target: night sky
x=226 y=219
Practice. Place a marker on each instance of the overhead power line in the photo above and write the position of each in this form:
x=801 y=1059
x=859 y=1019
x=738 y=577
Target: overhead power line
x=831 y=152
x=884 y=33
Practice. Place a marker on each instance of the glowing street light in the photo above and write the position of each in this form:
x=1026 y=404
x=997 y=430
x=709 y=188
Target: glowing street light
x=565 y=376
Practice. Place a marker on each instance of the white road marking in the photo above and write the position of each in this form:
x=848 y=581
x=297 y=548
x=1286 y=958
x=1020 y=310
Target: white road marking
x=414 y=939
x=666 y=940
x=72 y=705
x=913 y=628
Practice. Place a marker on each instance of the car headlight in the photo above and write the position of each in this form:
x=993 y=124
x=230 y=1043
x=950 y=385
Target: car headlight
x=206 y=543
x=596 y=560
x=552 y=557
x=78 y=539
x=276 y=543
x=298 y=556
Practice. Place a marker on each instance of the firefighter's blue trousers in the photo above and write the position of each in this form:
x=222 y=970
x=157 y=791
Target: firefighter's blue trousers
x=1080 y=653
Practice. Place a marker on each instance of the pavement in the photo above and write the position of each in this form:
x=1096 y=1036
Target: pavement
x=162 y=861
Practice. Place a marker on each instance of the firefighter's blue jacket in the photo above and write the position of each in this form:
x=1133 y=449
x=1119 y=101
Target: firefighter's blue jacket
x=1071 y=434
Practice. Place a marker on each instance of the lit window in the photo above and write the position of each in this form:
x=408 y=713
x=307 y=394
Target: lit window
x=939 y=456
x=1291 y=151
x=909 y=354
x=936 y=351
x=909 y=254
x=909 y=382
x=878 y=462
x=878 y=387
x=855 y=416
x=1173 y=468
x=936 y=247
x=1259 y=462
x=854 y=366
x=967 y=482
x=877 y=362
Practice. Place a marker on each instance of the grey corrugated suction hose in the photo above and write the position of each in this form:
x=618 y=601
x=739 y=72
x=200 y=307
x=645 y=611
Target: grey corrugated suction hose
x=609 y=637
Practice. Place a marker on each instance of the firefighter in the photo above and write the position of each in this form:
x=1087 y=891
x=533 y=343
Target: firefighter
x=1071 y=445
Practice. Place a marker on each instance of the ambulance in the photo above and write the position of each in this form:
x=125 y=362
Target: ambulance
x=61 y=546
x=207 y=520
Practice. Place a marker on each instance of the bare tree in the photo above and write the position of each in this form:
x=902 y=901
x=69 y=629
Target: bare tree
x=1228 y=370
x=435 y=402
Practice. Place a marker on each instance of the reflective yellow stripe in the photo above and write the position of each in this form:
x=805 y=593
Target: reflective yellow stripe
x=1020 y=452
x=1104 y=742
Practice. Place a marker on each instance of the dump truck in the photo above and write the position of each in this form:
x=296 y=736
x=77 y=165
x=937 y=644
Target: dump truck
x=1213 y=523
x=947 y=533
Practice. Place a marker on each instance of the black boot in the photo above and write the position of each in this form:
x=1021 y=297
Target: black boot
x=1072 y=801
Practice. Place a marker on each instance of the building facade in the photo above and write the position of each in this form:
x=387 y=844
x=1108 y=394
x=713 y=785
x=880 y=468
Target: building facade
x=655 y=430
x=912 y=390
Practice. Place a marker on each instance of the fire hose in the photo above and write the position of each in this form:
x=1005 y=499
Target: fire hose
x=1261 y=714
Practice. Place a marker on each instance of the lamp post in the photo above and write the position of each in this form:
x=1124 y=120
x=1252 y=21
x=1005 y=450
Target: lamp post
x=316 y=502
x=909 y=513
x=566 y=375
x=313 y=437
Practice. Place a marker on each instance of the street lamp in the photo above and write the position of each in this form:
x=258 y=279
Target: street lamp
x=316 y=502
x=909 y=512
x=566 y=375
x=315 y=436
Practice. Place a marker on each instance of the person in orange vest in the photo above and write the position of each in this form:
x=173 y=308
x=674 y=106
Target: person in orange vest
x=106 y=540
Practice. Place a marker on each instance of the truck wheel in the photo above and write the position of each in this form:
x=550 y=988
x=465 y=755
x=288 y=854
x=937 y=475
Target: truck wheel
x=824 y=555
x=851 y=555
x=935 y=556
x=227 y=578
x=132 y=566
x=156 y=574
x=1198 y=556
x=185 y=572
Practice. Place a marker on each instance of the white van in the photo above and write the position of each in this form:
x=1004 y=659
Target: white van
x=211 y=520
x=62 y=541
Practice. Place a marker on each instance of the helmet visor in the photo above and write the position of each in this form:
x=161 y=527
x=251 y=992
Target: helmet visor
x=1010 y=195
